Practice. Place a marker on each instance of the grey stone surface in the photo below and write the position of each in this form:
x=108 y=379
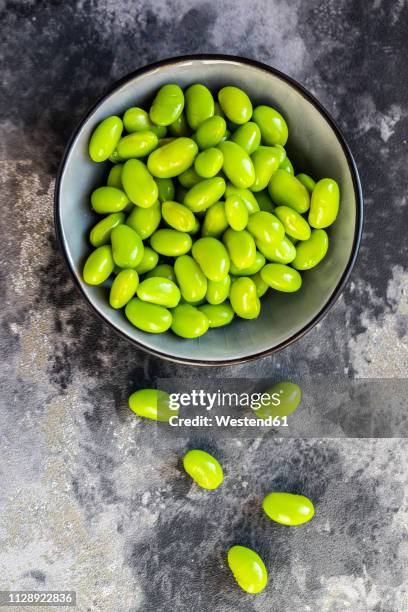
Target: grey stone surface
x=94 y=500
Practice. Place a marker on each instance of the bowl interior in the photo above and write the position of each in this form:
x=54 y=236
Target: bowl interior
x=313 y=147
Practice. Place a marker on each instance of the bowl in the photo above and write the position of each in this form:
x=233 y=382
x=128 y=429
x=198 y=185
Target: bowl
x=315 y=145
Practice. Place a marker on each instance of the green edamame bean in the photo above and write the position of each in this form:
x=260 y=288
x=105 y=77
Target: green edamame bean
x=261 y=286
x=166 y=189
x=295 y=225
x=237 y=164
x=138 y=144
x=287 y=166
x=127 y=247
x=311 y=252
x=189 y=178
x=145 y=221
x=190 y=279
x=180 y=127
x=264 y=201
x=218 y=315
x=99 y=266
x=204 y=194
x=210 y=132
x=114 y=177
x=218 y=291
x=173 y=158
x=248 y=569
x=139 y=184
x=167 y=105
x=324 y=204
x=236 y=212
x=212 y=257
x=199 y=105
x=203 y=468
x=209 y=162
x=256 y=266
x=265 y=227
x=148 y=262
x=170 y=242
x=244 y=298
x=178 y=216
x=114 y=157
x=137 y=119
x=215 y=220
x=274 y=129
x=288 y=508
x=148 y=317
x=105 y=138
x=307 y=181
x=247 y=196
x=106 y=200
x=266 y=162
x=100 y=233
x=284 y=399
x=188 y=321
x=162 y=270
x=286 y=190
x=281 y=277
x=152 y=404
x=236 y=104
x=281 y=252
x=123 y=288
x=159 y=291
x=241 y=248
x=248 y=136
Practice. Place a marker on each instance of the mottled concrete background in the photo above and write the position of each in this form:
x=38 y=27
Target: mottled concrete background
x=92 y=499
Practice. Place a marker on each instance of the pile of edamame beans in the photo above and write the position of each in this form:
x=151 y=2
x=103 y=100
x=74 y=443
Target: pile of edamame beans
x=203 y=213
x=285 y=508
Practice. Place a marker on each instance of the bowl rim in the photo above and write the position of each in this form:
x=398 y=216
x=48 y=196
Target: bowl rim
x=350 y=161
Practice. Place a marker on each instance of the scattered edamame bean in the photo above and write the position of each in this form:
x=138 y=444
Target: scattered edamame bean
x=248 y=569
x=152 y=404
x=288 y=508
x=290 y=396
x=204 y=469
x=123 y=288
x=188 y=321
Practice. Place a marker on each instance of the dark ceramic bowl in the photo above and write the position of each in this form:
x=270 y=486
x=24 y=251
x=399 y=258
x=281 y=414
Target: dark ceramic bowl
x=315 y=146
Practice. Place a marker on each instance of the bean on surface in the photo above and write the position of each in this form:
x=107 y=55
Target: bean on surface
x=203 y=468
x=288 y=508
x=152 y=404
x=248 y=569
